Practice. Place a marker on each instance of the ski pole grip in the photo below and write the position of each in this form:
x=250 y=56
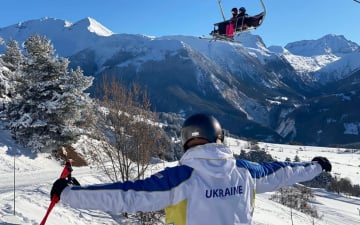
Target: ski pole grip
x=67 y=170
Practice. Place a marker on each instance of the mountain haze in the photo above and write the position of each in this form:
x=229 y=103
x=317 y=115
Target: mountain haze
x=307 y=91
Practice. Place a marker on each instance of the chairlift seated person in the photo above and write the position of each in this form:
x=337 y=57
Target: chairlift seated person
x=239 y=22
x=227 y=27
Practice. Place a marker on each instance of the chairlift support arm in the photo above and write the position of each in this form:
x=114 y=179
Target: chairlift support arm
x=264 y=8
x=262 y=4
x=221 y=9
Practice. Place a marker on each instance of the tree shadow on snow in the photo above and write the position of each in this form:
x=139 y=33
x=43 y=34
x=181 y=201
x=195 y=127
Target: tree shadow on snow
x=14 y=149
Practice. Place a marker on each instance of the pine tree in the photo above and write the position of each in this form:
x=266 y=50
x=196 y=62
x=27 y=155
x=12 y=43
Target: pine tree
x=52 y=101
x=12 y=56
x=10 y=63
x=10 y=69
x=4 y=81
x=296 y=158
x=3 y=89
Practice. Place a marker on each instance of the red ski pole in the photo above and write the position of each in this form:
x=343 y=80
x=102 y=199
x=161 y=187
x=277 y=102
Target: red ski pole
x=55 y=199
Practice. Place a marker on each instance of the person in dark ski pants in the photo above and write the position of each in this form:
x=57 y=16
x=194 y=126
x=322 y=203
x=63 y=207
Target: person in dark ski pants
x=209 y=186
x=223 y=27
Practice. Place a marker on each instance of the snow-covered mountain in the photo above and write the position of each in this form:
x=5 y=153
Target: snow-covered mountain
x=330 y=58
x=256 y=91
x=329 y=44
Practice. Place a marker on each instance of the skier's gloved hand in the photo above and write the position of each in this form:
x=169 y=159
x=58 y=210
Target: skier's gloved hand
x=324 y=163
x=74 y=181
x=58 y=187
x=69 y=167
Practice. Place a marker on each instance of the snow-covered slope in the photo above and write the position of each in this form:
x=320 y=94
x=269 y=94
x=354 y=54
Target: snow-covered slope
x=34 y=175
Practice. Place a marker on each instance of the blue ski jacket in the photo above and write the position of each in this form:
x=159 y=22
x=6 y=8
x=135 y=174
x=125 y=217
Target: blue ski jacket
x=208 y=187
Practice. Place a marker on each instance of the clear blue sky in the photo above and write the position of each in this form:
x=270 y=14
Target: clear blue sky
x=286 y=20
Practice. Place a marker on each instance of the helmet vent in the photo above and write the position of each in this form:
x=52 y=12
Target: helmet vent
x=195 y=134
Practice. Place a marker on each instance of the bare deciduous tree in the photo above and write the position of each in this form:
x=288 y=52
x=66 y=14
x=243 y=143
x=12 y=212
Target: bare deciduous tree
x=296 y=197
x=130 y=136
x=131 y=132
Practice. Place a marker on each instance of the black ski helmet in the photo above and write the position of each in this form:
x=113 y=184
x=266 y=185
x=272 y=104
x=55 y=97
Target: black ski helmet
x=201 y=126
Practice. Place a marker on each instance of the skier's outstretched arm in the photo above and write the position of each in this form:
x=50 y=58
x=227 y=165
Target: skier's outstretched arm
x=151 y=194
x=270 y=176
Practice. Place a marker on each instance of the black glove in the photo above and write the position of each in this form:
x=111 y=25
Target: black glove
x=68 y=166
x=74 y=181
x=324 y=163
x=58 y=187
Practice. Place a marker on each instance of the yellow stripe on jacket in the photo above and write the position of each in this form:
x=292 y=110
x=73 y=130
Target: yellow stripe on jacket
x=176 y=214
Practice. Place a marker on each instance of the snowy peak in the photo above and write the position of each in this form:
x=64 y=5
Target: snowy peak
x=52 y=27
x=93 y=26
x=22 y=30
x=251 y=41
x=329 y=44
x=66 y=36
x=278 y=49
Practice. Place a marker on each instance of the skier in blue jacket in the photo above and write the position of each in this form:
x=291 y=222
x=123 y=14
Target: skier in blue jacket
x=209 y=186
